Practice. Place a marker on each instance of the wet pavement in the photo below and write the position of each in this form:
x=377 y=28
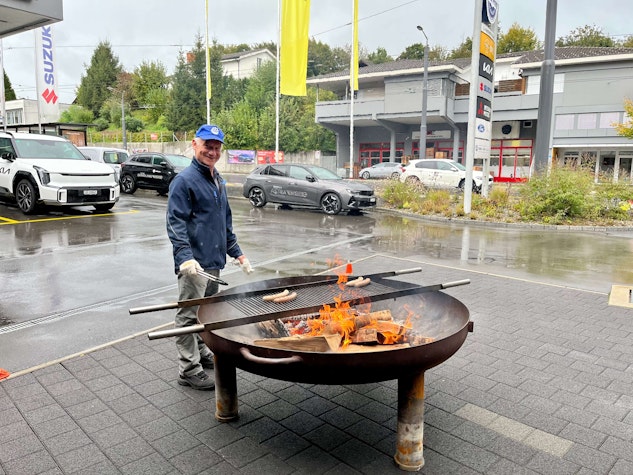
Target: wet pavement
x=542 y=385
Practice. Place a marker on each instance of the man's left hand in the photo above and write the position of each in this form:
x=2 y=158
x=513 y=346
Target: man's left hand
x=244 y=264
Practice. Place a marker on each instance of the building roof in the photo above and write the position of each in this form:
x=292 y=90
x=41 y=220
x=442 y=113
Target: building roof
x=245 y=54
x=524 y=58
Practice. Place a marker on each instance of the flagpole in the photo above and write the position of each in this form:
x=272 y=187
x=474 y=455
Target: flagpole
x=208 y=60
x=351 y=94
x=2 y=91
x=277 y=82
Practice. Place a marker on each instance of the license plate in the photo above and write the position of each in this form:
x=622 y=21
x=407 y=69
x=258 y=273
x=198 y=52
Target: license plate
x=91 y=192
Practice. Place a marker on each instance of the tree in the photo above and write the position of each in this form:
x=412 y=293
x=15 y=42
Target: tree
x=102 y=73
x=586 y=36
x=149 y=89
x=379 y=56
x=9 y=93
x=77 y=114
x=187 y=108
x=414 y=51
x=628 y=42
x=626 y=129
x=463 y=50
x=323 y=60
x=517 y=39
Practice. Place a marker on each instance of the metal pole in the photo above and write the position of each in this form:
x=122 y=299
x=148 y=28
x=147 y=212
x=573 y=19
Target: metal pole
x=546 y=93
x=207 y=60
x=472 y=108
x=425 y=93
x=123 y=131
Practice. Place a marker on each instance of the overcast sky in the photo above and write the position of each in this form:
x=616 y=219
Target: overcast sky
x=155 y=30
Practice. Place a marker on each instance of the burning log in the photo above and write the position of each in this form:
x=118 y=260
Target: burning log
x=273 y=328
x=321 y=343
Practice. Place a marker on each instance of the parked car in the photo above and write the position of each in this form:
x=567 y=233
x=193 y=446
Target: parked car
x=151 y=171
x=113 y=157
x=37 y=171
x=308 y=186
x=441 y=173
x=382 y=170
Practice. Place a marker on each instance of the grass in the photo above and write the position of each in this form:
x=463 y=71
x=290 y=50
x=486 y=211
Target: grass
x=564 y=196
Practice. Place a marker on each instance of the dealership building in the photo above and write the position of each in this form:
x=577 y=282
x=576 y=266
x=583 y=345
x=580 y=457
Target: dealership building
x=590 y=88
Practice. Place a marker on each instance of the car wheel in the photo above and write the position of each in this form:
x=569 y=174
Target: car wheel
x=365 y=176
x=26 y=195
x=412 y=180
x=257 y=197
x=103 y=208
x=128 y=184
x=461 y=185
x=331 y=203
x=395 y=175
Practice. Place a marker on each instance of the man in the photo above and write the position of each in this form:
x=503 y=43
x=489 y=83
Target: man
x=200 y=228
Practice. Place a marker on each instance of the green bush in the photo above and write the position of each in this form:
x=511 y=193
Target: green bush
x=557 y=197
x=401 y=195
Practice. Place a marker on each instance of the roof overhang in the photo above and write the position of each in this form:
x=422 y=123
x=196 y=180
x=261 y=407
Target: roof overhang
x=572 y=61
x=17 y=16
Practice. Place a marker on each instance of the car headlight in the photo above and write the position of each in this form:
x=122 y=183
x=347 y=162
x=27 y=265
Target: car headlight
x=44 y=176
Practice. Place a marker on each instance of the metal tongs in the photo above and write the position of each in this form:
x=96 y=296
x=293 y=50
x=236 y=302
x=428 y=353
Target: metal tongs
x=211 y=277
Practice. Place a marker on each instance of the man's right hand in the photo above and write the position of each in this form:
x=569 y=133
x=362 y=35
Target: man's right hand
x=190 y=267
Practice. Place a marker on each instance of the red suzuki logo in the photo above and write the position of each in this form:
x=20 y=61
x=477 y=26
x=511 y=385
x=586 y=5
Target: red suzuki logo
x=49 y=96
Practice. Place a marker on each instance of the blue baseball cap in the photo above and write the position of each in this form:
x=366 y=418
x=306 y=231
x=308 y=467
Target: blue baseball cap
x=210 y=132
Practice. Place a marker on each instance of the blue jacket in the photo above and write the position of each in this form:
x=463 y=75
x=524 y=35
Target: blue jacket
x=199 y=220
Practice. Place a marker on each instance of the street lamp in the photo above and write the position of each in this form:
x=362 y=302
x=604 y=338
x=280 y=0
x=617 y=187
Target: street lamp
x=123 y=131
x=425 y=91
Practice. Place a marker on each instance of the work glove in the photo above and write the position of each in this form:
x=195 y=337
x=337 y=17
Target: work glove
x=190 y=267
x=245 y=265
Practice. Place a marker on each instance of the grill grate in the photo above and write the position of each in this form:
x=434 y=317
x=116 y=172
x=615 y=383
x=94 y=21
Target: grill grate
x=308 y=297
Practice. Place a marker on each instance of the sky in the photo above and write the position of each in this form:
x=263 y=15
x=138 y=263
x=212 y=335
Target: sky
x=156 y=30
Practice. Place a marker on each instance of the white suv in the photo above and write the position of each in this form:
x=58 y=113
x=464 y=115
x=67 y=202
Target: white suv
x=46 y=170
x=441 y=173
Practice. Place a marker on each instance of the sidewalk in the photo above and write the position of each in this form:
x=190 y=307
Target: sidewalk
x=543 y=385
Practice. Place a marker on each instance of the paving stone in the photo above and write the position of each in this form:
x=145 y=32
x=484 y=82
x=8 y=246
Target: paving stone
x=66 y=441
x=157 y=428
x=101 y=420
x=152 y=464
x=220 y=436
x=589 y=437
x=327 y=437
x=38 y=462
x=590 y=458
x=242 y=452
x=619 y=448
x=285 y=445
x=54 y=428
x=128 y=451
x=312 y=460
x=175 y=443
x=201 y=457
x=301 y=422
x=80 y=459
x=20 y=447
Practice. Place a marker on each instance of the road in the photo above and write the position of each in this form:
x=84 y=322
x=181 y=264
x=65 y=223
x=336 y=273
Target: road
x=69 y=278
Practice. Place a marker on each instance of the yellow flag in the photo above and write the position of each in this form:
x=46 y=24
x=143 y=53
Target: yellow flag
x=355 y=48
x=295 y=22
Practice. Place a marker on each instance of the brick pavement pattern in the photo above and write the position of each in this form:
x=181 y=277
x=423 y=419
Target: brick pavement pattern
x=544 y=385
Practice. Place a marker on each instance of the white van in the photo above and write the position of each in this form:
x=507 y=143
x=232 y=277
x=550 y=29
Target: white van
x=108 y=155
x=47 y=170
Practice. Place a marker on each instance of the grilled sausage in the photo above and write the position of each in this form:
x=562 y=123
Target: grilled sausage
x=363 y=282
x=286 y=298
x=353 y=283
x=270 y=298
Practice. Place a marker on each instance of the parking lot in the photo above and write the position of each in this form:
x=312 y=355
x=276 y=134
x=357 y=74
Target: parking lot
x=542 y=385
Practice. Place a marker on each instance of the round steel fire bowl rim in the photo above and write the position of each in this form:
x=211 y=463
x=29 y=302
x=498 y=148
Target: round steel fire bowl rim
x=447 y=320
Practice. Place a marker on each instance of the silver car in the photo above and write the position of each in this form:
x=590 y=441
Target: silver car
x=307 y=186
x=382 y=170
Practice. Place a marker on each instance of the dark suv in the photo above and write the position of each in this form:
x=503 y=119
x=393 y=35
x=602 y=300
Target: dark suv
x=151 y=171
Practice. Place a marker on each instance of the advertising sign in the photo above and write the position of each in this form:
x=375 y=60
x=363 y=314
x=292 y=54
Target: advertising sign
x=487 y=46
x=268 y=156
x=245 y=157
x=46 y=74
x=484 y=110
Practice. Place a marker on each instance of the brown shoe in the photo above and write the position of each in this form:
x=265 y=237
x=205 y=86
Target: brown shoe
x=200 y=381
